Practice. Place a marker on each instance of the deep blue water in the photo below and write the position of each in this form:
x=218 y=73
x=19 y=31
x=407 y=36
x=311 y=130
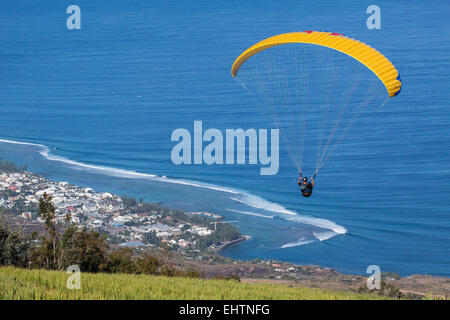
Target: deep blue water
x=111 y=94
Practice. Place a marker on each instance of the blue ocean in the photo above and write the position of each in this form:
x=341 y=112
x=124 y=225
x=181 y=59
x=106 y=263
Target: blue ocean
x=97 y=106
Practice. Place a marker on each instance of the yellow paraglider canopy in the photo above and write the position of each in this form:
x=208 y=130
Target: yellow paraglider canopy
x=358 y=50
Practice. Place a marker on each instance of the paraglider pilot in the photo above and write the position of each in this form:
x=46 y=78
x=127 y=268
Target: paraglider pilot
x=306 y=186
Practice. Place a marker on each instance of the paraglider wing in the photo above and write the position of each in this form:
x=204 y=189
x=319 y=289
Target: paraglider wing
x=314 y=86
x=358 y=50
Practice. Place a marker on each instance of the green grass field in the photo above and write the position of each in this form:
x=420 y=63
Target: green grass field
x=41 y=284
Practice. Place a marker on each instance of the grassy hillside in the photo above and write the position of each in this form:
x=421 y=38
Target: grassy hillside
x=41 y=284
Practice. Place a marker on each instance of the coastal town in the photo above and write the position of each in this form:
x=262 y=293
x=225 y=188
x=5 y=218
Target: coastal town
x=125 y=221
x=195 y=238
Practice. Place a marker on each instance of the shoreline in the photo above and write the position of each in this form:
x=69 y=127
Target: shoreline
x=40 y=146
x=255 y=202
x=123 y=219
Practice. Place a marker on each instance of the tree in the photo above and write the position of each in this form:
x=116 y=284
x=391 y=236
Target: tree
x=120 y=261
x=147 y=264
x=14 y=249
x=129 y=202
x=60 y=249
x=168 y=271
x=49 y=248
x=9 y=167
x=87 y=249
x=166 y=252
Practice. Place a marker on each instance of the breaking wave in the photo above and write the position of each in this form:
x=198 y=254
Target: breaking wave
x=252 y=213
x=319 y=222
x=299 y=242
x=322 y=236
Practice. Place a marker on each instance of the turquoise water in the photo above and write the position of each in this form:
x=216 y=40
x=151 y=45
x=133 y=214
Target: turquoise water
x=108 y=97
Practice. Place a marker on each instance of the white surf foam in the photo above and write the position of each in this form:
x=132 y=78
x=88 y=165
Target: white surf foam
x=299 y=242
x=318 y=222
x=238 y=195
x=261 y=203
x=322 y=236
x=23 y=143
x=252 y=213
